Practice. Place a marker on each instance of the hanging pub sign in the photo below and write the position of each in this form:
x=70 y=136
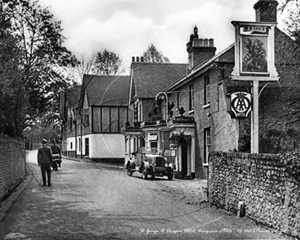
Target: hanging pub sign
x=240 y=104
x=254 y=51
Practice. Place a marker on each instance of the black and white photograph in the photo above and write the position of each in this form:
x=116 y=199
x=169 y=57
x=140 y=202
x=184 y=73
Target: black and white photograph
x=149 y=119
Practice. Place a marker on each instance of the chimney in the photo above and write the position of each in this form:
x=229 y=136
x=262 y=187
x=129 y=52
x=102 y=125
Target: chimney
x=199 y=50
x=133 y=59
x=137 y=59
x=266 y=10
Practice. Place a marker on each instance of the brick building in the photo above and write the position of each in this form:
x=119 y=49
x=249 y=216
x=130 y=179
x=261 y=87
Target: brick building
x=200 y=100
x=148 y=128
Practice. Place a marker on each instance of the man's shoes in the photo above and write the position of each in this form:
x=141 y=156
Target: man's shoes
x=49 y=184
x=44 y=184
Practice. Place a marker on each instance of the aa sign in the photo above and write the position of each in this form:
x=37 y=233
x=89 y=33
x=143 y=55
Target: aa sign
x=240 y=104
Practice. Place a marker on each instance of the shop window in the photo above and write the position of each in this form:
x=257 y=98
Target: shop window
x=153 y=144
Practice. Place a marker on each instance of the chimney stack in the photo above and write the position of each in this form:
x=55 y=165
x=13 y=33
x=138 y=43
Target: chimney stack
x=199 y=50
x=266 y=11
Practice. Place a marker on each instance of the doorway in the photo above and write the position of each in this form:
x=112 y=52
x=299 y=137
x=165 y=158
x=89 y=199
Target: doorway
x=87 y=150
x=184 y=159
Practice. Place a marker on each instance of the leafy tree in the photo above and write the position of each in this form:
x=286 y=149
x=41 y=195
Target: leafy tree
x=42 y=59
x=107 y=63
x=10 y=82
x=292 y=8
x=154 y=56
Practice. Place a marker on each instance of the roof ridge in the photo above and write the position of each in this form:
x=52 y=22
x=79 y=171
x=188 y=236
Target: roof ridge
x=105 y=75
x=158 y=63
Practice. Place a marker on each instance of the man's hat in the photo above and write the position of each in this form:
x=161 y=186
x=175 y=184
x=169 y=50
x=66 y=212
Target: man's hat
x=44 y=141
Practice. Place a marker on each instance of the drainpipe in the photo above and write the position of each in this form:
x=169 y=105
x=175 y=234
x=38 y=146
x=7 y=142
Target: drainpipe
x=81 y=136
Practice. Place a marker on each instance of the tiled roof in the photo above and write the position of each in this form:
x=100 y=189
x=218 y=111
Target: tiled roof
x=109 y=90
x=152 y=78
x=198 y=69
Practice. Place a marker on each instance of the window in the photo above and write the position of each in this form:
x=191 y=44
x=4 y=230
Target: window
x=207 y=142
x=153 y=140
x=191 y=97
x=153 y=144
x=206 y=90
x=71 y=145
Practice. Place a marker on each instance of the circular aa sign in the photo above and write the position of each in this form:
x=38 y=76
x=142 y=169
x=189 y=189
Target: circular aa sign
x=241 y=104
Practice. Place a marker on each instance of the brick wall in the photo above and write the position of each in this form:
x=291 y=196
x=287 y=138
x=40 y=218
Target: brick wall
x=271 y=196
x=12 y=164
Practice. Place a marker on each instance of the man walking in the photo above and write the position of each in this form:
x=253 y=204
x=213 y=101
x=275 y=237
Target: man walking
x=45 y=162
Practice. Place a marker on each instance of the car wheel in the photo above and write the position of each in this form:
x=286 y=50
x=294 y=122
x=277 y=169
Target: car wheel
x=170 y=174
x=145 y=174
x=129 y=172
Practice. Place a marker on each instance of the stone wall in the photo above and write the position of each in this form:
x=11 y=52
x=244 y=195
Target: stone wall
x=12 y=164
x=270 y=196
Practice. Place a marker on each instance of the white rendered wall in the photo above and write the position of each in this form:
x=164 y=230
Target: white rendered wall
x=106 y=145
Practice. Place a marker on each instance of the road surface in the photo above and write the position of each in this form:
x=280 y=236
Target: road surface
x=97 y=201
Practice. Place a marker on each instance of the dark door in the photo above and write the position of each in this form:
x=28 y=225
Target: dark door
x=87 y=150
x=184 y=159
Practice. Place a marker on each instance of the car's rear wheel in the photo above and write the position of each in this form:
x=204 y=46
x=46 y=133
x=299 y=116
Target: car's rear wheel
x=129 y=172
x=145 y=174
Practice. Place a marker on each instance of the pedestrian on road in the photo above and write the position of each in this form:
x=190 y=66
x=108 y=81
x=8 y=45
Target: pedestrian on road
x=45 y=161
x=56 y=155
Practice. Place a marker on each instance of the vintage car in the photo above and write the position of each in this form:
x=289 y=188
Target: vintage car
x=150 y=165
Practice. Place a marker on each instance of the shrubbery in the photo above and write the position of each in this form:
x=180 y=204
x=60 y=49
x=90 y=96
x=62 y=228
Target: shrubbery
x=276 y=141
x=291 y=163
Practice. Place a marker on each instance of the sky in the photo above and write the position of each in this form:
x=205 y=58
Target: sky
x=128 y=27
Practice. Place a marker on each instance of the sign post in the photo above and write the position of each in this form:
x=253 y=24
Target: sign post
x=255 y=62
x=255 y=118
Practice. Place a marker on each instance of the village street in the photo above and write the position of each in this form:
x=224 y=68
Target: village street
x=99 y=201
